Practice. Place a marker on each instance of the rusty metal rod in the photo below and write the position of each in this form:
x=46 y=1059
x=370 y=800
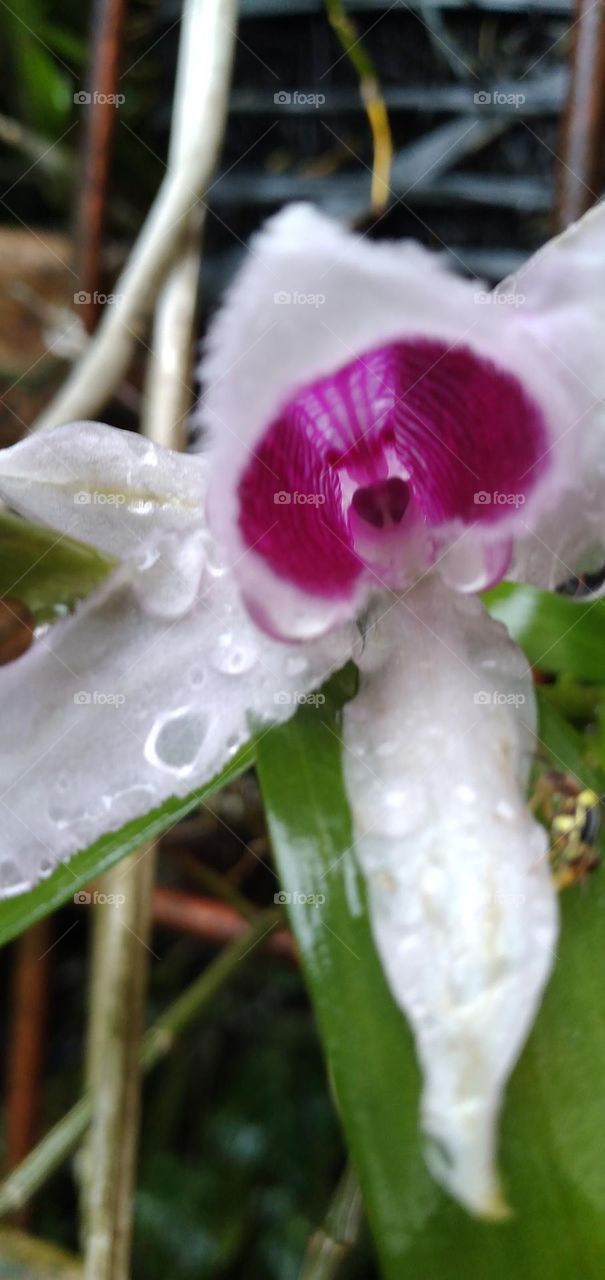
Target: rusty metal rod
x=100 y=122
x=212 y=921
x=26 y=1044
x=581 y=170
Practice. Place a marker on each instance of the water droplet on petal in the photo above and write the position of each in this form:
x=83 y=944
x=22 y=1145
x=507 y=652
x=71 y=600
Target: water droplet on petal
x=11 y=879
x=231 y=656
x=175 y=741
x=59 y=815
x=296 y=665
x=197 y=675
x=215 y=570
x=471 y=566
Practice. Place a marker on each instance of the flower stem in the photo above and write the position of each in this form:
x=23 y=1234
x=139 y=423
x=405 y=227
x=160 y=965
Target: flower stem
x=64 y=1137
x=120 y=982
x=206 y=54
x=372 y=98
x=331 y=1244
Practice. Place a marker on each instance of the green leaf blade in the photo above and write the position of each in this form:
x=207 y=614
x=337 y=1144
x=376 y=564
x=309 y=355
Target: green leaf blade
x=554 y=1114
x=69 y=878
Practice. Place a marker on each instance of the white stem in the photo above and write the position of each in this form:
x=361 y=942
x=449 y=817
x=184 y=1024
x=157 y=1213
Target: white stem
x=201 y=96
x=119 y=986
x=121 y=958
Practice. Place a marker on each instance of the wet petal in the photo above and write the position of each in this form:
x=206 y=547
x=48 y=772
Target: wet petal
x=438 y=743
x=329 y=345
x=563 y=315
x=131 y=701
x=109 y=488
x=458 y=436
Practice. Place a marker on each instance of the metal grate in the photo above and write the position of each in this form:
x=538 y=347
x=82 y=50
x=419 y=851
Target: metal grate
x=474 y=94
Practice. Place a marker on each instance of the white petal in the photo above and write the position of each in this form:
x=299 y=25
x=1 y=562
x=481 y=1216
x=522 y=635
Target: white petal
x=463 y=910
x=563 y=313
x=118 y=708
x=106 y=487
x=309 y=298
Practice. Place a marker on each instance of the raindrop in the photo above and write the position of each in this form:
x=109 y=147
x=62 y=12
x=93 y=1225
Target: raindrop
x=296 y=665
x=58 y=815
x=11 y=879
x=216 y=570
x=231 y=657
x=197 y=676
x=176 y=740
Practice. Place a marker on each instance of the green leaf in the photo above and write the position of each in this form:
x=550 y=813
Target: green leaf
x=17 y=914
x=552 y=1161
x=43 y=83
x=557 y=634
x=50 y=573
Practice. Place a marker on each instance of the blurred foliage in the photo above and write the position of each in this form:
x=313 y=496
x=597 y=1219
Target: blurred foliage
x=257 y=1138
x=41 y=82
x=48 y=572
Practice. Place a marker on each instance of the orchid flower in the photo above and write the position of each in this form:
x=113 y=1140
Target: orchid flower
x=384 y=441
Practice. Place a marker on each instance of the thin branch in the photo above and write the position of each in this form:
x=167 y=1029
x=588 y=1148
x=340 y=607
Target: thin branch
x=331 y=1245
x=122 y=961
x=120 y=984
x=372 y=98
x=207 y=49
